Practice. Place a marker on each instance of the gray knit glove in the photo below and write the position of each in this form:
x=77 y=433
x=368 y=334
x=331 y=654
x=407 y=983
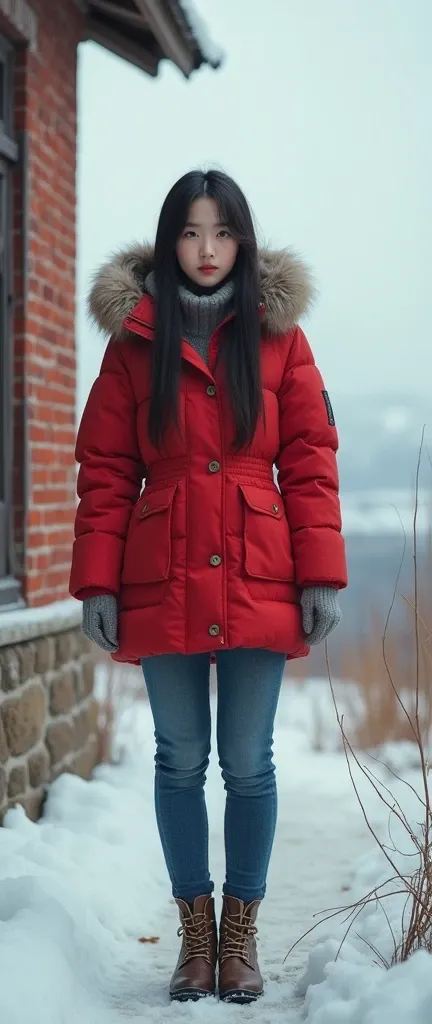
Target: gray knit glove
x=100 y=621
x=321 y=612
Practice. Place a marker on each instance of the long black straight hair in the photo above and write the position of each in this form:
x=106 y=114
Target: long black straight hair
x=241 y=352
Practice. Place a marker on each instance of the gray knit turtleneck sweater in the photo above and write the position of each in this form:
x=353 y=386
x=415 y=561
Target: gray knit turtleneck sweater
x=201 y=313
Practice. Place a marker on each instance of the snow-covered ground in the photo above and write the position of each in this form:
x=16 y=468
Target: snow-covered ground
x=79 y=889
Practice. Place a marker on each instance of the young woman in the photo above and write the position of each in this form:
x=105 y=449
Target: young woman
x=207 y=384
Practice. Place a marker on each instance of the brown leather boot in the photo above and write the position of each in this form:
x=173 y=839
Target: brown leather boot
x=240 y=978
x=195 y=974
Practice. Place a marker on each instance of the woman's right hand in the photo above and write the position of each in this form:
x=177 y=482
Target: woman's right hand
x=100 y=619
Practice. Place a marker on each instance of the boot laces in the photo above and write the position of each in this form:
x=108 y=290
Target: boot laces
x=195 y=931
x=236 y=936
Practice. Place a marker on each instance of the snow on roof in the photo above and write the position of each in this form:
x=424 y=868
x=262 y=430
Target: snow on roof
x=211 y=52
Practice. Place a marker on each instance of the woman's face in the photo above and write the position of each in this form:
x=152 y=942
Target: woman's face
x=206 y=250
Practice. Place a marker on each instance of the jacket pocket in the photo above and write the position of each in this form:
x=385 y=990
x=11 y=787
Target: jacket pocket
x=267 y=541
x=147 y=556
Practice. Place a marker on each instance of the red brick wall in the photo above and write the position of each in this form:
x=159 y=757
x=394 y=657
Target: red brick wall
x=44 y=342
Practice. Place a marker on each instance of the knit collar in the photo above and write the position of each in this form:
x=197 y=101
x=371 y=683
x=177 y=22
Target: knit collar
x=201 y=313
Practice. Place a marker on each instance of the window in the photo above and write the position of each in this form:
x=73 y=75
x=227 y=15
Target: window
x=9 y=591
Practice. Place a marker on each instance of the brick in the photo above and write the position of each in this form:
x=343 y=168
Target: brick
x=34 y=517
x=85 y=762
x=87 y=645
x=56 y=580
x=66 y=647
x=43 y=597
x=63 y=695
x=45 y=655
x=10 y=669
x=51 y=495
x=53 y=517
x=39 y=561
x=86 y=723
x=60 y=740
x=59 y=769
x=17 y=665
x=39 y=767
x=32 y=804
x=23 y=719
x=4 y=752
x=3 y=786
x=18 y=780
x=84 y=678
x=27 y=657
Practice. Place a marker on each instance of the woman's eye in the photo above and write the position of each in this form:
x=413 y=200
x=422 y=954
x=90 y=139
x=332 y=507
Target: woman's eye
x=189 y=234
x=224 y=233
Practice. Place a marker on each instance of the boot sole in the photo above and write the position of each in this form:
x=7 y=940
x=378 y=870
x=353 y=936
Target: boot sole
x=240 y=996
x=190 y=994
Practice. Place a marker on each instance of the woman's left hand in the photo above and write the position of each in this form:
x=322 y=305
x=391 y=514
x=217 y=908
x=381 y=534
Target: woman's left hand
x=321 y=612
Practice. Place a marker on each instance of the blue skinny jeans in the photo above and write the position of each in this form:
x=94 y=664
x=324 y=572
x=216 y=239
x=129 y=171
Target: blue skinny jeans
x=178 y=686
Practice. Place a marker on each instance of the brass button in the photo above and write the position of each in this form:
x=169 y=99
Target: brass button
x=214 y=467
x=275 y=508
x=211 y=390
x=215 y=560
x=214 y=630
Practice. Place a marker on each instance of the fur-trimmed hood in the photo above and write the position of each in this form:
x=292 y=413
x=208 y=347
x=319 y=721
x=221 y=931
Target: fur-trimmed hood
x=287 y=289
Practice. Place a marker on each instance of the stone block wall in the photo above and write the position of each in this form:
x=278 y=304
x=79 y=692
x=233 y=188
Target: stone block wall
x=48 y=716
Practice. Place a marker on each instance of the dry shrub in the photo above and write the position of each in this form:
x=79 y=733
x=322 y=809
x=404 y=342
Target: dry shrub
x=413 y=713
x=378 y=717
x=402 y=652
x=416 y=932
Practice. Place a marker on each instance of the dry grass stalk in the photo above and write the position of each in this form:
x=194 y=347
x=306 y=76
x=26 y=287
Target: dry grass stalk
x=122 y=685
x=416 y=928
x=403 y=653
x=387 y=712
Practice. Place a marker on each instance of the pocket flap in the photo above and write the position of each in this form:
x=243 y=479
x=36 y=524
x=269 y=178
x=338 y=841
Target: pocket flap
x=147 y=553
x=157 y=501
x=267 y=545
x=269 y=503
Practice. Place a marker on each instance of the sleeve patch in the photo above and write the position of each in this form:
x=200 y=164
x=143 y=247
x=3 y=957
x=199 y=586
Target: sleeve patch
x=328 y=405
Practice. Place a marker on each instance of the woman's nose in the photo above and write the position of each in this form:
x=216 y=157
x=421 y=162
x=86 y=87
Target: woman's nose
x=207 y=248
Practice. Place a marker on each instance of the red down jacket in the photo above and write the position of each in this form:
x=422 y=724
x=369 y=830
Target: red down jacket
x=212 y=552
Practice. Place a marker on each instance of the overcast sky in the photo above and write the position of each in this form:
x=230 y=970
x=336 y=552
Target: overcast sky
x=322 y=113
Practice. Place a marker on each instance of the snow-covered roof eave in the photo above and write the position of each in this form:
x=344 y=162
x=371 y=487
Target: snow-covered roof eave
x=145 y=32
x=210 y=51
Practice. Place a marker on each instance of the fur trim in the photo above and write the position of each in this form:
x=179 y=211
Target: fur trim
x=286 y=288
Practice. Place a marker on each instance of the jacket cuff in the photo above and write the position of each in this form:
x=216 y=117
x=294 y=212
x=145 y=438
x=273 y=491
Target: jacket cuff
x=319 y=558
x=97 y=561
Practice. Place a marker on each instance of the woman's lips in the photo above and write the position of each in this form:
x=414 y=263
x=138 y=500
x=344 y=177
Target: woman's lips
x=207 y=270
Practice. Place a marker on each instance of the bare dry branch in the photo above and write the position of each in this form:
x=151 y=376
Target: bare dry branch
x=416 y=932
